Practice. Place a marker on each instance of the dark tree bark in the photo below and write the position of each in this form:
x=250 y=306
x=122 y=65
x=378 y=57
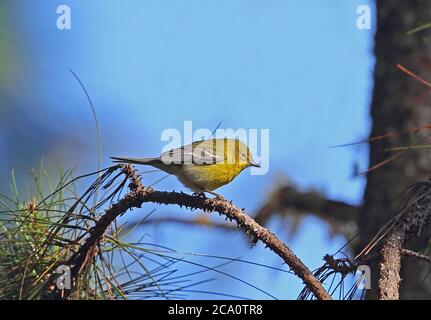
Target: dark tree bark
x=398 y=103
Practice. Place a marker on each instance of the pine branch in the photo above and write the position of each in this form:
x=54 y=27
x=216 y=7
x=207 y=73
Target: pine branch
x=140 y=194
x=408 y=225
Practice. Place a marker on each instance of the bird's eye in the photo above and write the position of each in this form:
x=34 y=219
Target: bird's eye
x=243 y=156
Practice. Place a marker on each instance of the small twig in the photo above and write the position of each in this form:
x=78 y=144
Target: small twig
x=200 y=221
x=339 y=266
x=416 y=255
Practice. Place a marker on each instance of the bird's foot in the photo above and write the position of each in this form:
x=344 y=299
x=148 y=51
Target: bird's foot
x=199 y=194
x=203 y=195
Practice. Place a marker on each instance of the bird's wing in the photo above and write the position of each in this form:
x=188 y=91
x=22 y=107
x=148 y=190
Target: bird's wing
x=199 y=153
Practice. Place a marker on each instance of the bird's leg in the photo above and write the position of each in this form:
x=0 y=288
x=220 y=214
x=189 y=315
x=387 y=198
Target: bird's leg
x=218 y=196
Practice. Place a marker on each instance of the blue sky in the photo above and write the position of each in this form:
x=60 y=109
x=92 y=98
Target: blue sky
x=298 y=68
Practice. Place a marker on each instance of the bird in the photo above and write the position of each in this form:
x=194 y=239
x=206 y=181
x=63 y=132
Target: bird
x=202 y=166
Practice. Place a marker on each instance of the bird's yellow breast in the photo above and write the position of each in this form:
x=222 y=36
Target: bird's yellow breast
x=209 y=177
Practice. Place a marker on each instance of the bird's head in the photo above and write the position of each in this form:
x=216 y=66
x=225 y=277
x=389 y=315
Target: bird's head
x=243 y=155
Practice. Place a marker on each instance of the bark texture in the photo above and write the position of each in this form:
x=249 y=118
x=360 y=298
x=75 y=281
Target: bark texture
x=398 y=103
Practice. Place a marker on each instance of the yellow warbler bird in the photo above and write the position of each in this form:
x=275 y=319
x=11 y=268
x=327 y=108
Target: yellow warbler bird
x=202 y=166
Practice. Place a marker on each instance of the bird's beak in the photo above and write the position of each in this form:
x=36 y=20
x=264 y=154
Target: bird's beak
x=254 y=164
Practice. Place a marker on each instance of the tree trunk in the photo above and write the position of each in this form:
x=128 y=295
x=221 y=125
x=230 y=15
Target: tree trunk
x=398 y=103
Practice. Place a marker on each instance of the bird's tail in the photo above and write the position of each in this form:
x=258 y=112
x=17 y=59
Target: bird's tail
x=148 y=161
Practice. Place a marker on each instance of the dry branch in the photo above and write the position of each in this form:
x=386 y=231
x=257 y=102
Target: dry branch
x=416 y=255
x=139 y=195
x=409 y=224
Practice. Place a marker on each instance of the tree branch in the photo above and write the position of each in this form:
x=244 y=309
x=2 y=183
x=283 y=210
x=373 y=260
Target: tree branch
x=416 y=255
x=140 y=195
x=408 y=224
x=288 y=197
